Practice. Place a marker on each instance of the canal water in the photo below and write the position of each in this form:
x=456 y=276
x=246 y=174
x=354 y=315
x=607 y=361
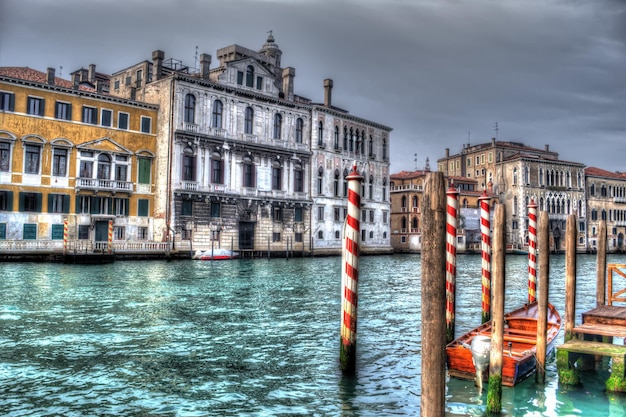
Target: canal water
x=251 y=338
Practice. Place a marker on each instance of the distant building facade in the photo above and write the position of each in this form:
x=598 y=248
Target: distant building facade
x=606 y=200
x=72 y=155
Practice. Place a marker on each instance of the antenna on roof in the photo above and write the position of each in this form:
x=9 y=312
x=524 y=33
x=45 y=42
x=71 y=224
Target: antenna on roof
x=415 y=161
x=61 y=71
x=195 y=61
x=496 y=129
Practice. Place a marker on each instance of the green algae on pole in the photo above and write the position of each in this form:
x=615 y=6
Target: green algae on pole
x=433 y=387
x=350 y=274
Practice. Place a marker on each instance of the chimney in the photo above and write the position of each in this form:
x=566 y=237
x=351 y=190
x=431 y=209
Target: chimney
x=50 y=77
x=205 y=64
x=76 y=80
x=547 y=148
x=288 y=75
x=447 y=152
x=493 y=141
x=92 y=73
x=157 y=64
x=328 y=90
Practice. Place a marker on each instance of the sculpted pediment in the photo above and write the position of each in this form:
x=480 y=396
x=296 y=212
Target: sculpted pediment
x=104 y=145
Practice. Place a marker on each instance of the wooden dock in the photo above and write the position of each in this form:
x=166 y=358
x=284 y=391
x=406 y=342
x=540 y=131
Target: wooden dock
x=593 y=340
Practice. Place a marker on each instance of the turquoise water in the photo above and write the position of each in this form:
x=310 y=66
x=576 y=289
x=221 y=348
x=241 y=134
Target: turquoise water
x=250 y=338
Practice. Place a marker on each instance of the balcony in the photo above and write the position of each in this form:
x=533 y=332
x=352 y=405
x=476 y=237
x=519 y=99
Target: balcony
x=191 y=127
x=220 y=133
x=190 y=185
x=619 y=199
x=408 y=187
x=103 y=185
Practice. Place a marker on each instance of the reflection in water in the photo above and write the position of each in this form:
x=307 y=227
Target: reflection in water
x=250 y=337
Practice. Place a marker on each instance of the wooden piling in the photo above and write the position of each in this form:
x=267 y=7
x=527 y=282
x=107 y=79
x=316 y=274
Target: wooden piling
x=570 y=277
x=433 y=387
x=350 y=274
x=451 y=228
x=494 y=392
x=485 y=232
x=543 y=236
x=601 y=265
x=532 y=251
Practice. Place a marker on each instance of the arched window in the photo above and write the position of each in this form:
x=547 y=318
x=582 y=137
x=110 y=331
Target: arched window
x=351 y=140
x=362 y=142
x=336 y=137
x=415 y=202
x=603 y=214
x=370 y=150
x=277 y=174
x=337 y=234
x=278 y=125
x=515 y=176
x=218 y=108
x=320 y=234
x=248 y=120
x=320 y=180
x=250 y=76
x=345 y=138
x=217 y=168
x=403 y=203
x=299 y=127
x=104 y=167
x=384 y=149
x=541 y=176
x=189 y=165
x=403 y=224
x=190 y=108
x=320 y=133
x=298 y=178
x=248 y=172
x=414 y=224
x=336 y=184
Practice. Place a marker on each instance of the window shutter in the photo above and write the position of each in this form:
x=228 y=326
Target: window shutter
x=50 y=199
x=126 y=206
x=38 y=206
x=9 y=197
x=42 y=107
x=95 y=205
x=11 y=102
x=66 y=203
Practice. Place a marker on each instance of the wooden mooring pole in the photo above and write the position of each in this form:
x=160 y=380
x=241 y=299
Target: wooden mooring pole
x=433 y=388
x=532 y=251
x=543 y=237
x=570 y=277
x=485 y=232
x=601 y=266
x=494 y=392
x=350 y=274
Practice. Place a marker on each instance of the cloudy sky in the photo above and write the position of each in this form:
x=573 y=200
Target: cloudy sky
x=441 y=73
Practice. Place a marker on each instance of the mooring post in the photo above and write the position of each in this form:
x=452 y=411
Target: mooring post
x=532 y=251
x=451 y=227
x=268 y=248
x=110 y=242
x=494 y=392
x=433 y=296
x=350 y=274
x=65 y=228
x=570 y=277
x=601 y=265
x=232 y=246
x=212 y=249
x=542 y=301
x=485 y=232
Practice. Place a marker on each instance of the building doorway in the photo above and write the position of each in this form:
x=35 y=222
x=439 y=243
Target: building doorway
x=246 y=235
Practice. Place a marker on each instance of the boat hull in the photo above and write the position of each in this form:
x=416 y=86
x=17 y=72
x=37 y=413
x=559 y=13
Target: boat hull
x=519 y=347
x=215 y=255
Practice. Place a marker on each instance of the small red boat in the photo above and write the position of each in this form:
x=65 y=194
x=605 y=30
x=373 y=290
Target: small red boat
x=215 y=255
x=519 y=346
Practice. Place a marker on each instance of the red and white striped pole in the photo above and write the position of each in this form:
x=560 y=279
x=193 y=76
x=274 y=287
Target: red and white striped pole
x=65 y=227
x=485 y=232
x=532 y=252
x=350 y=273
x=451 y=226
x=110 y=236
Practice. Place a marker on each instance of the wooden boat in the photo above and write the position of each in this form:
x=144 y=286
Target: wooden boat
x=216 y=254
x=519 y=346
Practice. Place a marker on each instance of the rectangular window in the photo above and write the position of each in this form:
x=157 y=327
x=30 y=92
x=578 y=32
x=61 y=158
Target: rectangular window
x=384 y=217
x=58 y=203
x=90 y=115
x=119 y=232
x=83 y=232
x=371 y=216
x=146 y=124
x=298 y=237
x=142 y=207
x=259 y=83
x=298 y=215
x=6 y=200
x=239 y=77
x=186 y=208
x=142 y=233
x=129 y=80
x=121 y=172
x=248 y=175
x=122 y=120
x=30 y=231
x=3 y=231
x=216 y=210
x=320 y=213
x=277 y=214
x=57 y=232
x=86 y=169
x=106 y=117
x=5 y=156
x=7 y=101
x=337 y=214
x=276 y=178
x=31 y=159
x=63 y=110
x=275 y=237
x=144 y=170
x=83 y=204
x=35 y=106
x=216 y=171
x=363 y=235
x=581 y=226
x=116 y=85
x=59 y=162
x=120 y=206
x=298 y=180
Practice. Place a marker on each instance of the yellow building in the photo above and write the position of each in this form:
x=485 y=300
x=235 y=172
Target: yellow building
x=72 y=160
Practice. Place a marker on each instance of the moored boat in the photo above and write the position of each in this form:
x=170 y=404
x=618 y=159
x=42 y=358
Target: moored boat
x=519 y=346
x=215 y=254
